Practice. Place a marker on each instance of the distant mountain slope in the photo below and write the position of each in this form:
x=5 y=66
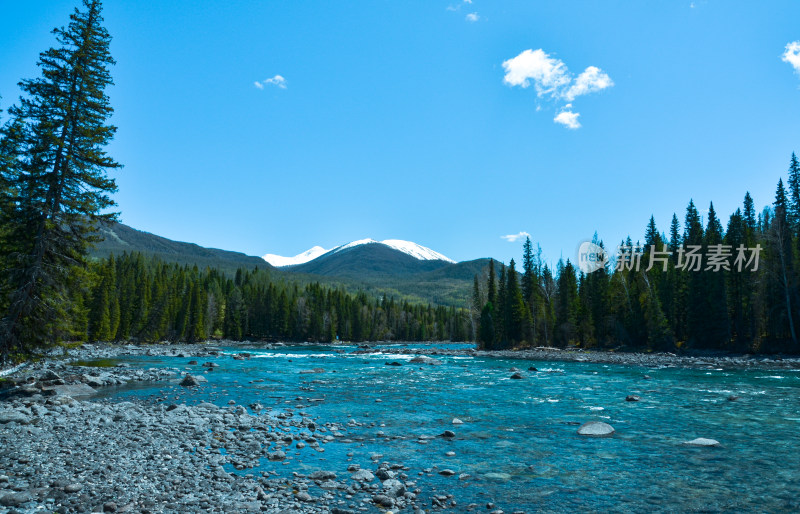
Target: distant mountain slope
x=364 y=260
x=460 y=271
x=119 y=238
x=375 y=268
x=450 y=284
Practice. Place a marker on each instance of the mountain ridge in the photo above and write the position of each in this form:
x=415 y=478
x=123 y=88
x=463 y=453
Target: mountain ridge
x=377 y=269
x=410 y=248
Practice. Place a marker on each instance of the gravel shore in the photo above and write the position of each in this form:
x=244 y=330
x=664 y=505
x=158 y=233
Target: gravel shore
x=65 y=453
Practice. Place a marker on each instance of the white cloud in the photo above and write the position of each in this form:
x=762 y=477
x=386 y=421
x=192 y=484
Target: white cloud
x=277 y=80
x=592 y=79
x=473 y=17
x=552 y=79
x=512 y=238
x=792 y=55
x=467 y=1
x=549 y=75
x=568 y=118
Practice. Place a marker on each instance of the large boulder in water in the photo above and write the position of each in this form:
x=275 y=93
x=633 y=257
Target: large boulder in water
x=363 y=475
x=189 y=381
x=596 y=429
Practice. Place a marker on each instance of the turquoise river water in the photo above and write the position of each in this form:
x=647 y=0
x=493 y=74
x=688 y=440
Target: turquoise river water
x=518 y=442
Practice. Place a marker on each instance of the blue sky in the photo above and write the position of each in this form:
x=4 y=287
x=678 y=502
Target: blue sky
x=400 y=120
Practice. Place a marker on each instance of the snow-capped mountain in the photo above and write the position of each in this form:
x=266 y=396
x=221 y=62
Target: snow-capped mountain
x=309 y=255
x=410 y=248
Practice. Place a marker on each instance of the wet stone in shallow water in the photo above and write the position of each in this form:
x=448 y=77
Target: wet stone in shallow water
x=595 y=429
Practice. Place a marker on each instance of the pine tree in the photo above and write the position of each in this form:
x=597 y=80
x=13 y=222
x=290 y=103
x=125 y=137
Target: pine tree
x=793 y=208
x=749 y=212
x=651 y=236
x=593 y=293
x=567 y=305
x=716 y=326
x=477 y=299
x=62 y=181
x=739 y=288
x=490 y=287
x=695 y=299
x=674 y=233
x=528 y=273
x=501 y=311
x=518 y=315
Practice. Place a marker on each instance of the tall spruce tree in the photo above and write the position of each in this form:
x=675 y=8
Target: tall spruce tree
x=490 y=287
x=61 y=180
x=518 y=323
x=528 y=273
x=716 y=328
x=568 y=304
x=501 y=310
x=793 y=209
x=695 y=292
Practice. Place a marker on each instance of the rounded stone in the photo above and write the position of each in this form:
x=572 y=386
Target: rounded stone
x=596 y=429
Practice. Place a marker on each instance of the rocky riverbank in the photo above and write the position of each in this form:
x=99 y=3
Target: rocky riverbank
x=67 y=455
x=63 y=452
x=651 y=360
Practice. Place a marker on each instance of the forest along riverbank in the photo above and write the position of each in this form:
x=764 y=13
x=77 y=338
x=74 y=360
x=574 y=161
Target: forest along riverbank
x=65 y=453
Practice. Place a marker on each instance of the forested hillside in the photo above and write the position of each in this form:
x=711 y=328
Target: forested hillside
x=141 y=298
x=374 y=269
x=117 y=239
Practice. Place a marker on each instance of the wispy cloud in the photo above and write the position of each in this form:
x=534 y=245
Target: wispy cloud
x=470 y=17
x=552 y=80
x=792 y=55
x=277 y=80
x=513 y=238
x=592 y=79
